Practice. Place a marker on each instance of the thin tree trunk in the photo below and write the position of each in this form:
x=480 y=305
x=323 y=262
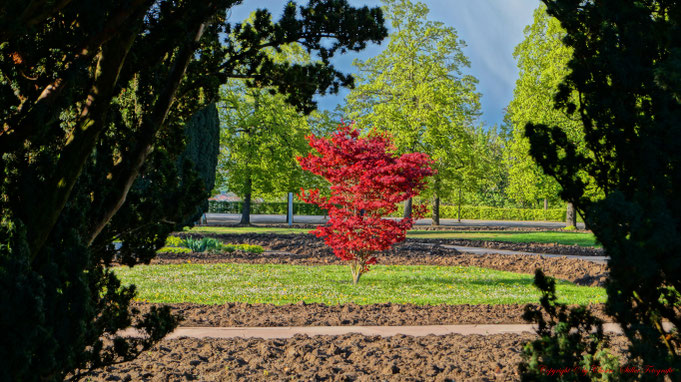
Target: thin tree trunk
x=570 y=216
x=407 y=208
x=356 y=267
x=459 y=212
x=246 y=211
x=436 y=210
x=546 y=204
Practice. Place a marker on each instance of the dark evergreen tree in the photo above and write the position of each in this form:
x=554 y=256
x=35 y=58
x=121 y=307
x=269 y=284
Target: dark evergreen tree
x=626 y=67
x=203 y=146
x=94 y=99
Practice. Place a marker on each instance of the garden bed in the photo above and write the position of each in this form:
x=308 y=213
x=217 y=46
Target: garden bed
x=388 y=314
x=310 y=250
x=353 y=356
x=313 y=244
x=350 y=357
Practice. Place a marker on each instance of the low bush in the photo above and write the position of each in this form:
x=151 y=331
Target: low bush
x=206 y=244
x=267 y=208
x=571 y=346
x=446 y=211
x=177 y=250
x=174 y=241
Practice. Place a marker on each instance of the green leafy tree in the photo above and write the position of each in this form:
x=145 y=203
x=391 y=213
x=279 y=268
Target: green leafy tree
x=95 y=98
x=489 y=181
x=626 y=66
x=261 y=137
x=542 y=60
x=416 y=90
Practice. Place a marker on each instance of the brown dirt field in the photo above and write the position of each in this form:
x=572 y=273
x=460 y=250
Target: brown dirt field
x=350 y=357
x=302 y=314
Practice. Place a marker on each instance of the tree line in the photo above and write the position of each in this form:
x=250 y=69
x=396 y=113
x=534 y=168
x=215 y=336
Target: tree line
x=418 y=91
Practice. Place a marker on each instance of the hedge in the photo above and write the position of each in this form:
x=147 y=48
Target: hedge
x=496 y=213
x=267 y=208
x=446 y=212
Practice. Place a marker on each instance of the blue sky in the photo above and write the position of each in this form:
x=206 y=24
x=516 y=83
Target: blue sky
x=491 y=29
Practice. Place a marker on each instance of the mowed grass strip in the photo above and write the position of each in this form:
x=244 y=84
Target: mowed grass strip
x=544 y=237
x=331 y=284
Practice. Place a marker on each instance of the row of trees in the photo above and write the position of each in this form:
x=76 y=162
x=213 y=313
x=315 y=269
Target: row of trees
x=417 y=90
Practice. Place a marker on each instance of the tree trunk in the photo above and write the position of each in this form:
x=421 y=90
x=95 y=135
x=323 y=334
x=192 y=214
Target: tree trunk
x=356 y=267
x=546 y=204
x=436 y=210
x=570 y=216
x=407 y=208
x=459 y=212
x=246 y=210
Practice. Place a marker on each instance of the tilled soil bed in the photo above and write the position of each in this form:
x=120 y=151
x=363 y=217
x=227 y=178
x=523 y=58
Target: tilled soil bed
x=240 y=314
x=350 y=357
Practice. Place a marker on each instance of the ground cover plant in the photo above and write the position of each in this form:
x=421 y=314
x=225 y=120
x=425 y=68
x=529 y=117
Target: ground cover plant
x=367 y=181
x=585 y=239
x=178 y=245
x=287 y=284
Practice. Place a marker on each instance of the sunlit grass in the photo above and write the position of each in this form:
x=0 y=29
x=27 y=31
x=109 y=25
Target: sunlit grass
x=331 y=284
x=567 y=238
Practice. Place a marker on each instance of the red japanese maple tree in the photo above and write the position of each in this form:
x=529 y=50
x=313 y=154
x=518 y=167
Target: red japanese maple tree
x=367 y=181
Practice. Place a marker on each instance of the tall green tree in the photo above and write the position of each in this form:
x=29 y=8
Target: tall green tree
x=416 y=90
x=261 y=137
x=542 y=61
x=626 y=67
x=95 y=97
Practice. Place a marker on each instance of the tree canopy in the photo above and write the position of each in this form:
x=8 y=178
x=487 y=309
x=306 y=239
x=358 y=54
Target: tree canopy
x=626 y=68
x=542 y=61
x=416 y=90
x=95 y=97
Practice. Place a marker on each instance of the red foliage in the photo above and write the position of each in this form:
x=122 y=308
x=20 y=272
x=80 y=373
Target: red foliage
x=367 y=181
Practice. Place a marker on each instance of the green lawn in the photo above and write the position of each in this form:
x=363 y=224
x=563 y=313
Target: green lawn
x=331 y=284
x=569 y=238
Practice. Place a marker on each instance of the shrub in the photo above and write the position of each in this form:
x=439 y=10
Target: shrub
x=177 y=250
x=273 y=208
x=569 y=349
x=174 y=241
